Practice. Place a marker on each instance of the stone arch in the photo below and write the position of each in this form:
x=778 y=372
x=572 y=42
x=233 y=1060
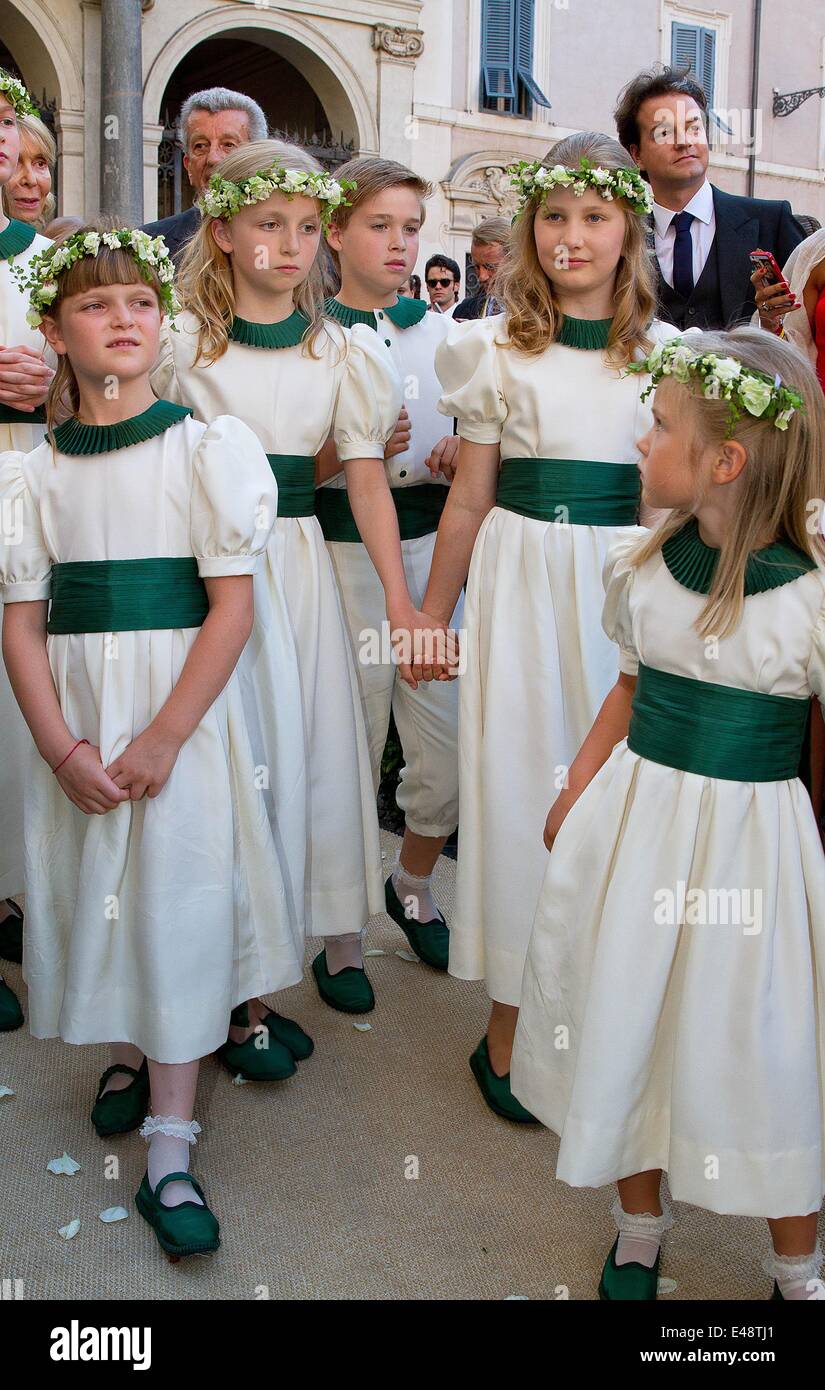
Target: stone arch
x=338 y=85
x=39 y=46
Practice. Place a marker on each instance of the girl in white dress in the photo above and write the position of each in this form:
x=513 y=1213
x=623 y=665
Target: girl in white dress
x=672 y=1012
x=546 y=479
x=253 y=337
x=24 y=381
x=154 y=896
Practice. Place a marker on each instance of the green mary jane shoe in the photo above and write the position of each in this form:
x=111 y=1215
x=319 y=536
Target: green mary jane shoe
x=290 y=1035
x=118 y=1112
x=187 y=1229
x=496 y=1089
x=253 y=1062
x=11 y=1014
x=11 y=934
x=628 y=1283
x=429 y=940
x=350 y=992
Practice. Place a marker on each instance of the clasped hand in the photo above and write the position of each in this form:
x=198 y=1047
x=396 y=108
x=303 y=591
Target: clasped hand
x=142 y=769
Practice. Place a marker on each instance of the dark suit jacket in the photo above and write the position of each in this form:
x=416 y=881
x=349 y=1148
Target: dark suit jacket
x=742 y=225
x=176 y=230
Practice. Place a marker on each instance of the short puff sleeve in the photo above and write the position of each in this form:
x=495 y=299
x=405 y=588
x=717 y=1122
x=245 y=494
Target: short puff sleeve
x=234 y=499
x=617 y=576
x=466 y=362
x=370 y=397
x=25 y=564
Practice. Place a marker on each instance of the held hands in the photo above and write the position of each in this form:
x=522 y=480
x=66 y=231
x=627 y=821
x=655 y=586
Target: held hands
x=426 y=649
x=86 y=783
x=24 y=378
x=399 y=440
x=444 y=457
x=772 y=301
x=145 y=766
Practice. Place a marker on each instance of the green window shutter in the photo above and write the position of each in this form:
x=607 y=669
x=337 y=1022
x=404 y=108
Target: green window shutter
x=525 y=16
x=497 y=50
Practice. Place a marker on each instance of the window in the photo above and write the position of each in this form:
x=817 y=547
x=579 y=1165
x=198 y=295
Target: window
x=507 y=82
x=694 y=46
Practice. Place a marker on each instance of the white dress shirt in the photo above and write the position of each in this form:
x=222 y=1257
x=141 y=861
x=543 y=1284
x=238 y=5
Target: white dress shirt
x=702 y=232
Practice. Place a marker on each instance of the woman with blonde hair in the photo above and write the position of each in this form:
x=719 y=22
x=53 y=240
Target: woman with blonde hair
x=546 y=479
x=28 y=194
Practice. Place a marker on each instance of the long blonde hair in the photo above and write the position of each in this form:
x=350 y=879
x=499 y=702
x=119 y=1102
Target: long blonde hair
x=204 y=282
x=783 y=478
x=530 y=299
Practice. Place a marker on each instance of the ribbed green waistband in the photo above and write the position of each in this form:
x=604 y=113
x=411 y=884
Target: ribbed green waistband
x=577 y=491
x=419 y=509
x=8 y=416
x=716 y=730
x=127 y=595
x=295 y=476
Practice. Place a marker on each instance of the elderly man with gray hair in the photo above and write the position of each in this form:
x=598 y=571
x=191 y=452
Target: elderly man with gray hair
x=212 y=124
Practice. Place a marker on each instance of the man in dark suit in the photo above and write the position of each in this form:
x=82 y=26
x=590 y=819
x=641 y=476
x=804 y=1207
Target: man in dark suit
x=212 y=124
x=701 y=236
x=487 y=251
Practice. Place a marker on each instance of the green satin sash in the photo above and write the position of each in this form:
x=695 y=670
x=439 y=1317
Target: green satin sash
x=295 y=476
x=716 y=730
x=127 y=595
x=9 y=416
x=418 y=507
x=591 y=494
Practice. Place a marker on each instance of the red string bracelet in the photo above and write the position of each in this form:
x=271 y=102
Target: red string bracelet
x=69 y=754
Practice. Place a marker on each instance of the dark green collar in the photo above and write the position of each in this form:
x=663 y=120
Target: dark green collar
x=693 y=564
x=16 y=238
x=288 y=333
x=72 y=437
x=403 y=313
x=589 y=334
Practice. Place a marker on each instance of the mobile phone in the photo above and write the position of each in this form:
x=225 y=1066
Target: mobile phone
x=765 y=260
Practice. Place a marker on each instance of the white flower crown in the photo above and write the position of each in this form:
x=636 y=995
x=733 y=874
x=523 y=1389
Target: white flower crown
x=721 y=378
x=17 y=94
x=38 y=277
x=531 y=177
x=223 y=198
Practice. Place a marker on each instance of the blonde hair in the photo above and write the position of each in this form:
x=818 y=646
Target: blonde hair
x=373 y=176
x=33 y=129
x=783 y=476
x=204 y=282
x=108 y=267
x=530 y=299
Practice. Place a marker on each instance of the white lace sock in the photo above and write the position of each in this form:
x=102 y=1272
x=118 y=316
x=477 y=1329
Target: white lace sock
x=122 y=1054
x=415 y=893
x=798 y=1276
x=640 y=1234
x=343 y=951
x=169 y=1140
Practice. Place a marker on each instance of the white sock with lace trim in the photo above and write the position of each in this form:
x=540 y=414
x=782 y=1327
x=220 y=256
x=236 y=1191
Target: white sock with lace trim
x=798 y=1276
x=415 y=895
x=344 y=951
x=169 y=1140
x=640 y=1234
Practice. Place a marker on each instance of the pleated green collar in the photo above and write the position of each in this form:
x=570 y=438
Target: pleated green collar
x=288 y=333
x=72 y=437
x=590 y=335
x=693 y=564
x=403 y=313
x=16 y=238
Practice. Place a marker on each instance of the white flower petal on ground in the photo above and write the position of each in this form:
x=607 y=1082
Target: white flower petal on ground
x=667 y=1286
x=7 y=1090
x=363 y=1027
x=114 y=1214
x=69 y=1232
x=375 y=951
x=408 y=955
x=240 y=1080
x=66 y=1164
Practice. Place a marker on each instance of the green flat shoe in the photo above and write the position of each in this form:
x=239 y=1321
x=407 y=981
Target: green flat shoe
x=187 y=1229
x=11 y=934
x=118 y=1112
x=274 y=1062
x=628 y=1283
x=350 y=992
x=11 y=1014
x=496 y=1089
x=430 y=940
x=290 y=1034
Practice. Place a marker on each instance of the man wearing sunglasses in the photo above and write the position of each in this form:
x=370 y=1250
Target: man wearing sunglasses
x=443 y=280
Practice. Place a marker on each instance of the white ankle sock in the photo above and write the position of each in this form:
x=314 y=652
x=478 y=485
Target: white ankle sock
x=343 y=951
x=640 y=1234
x=798 y=1276
x=122 y=1054
x=169 y=1140
x=415 y=894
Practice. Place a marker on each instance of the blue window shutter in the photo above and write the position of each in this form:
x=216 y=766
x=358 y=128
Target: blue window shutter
x=525 y=15
x=695 y=47
x=497 y=49
x=707 y=70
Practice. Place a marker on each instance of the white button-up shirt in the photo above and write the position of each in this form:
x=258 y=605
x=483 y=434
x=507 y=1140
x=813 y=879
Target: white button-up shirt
x=702 y=232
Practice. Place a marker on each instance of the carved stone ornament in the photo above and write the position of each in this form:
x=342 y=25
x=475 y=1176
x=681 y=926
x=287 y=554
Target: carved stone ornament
x=398 y=41
x=495 y=182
